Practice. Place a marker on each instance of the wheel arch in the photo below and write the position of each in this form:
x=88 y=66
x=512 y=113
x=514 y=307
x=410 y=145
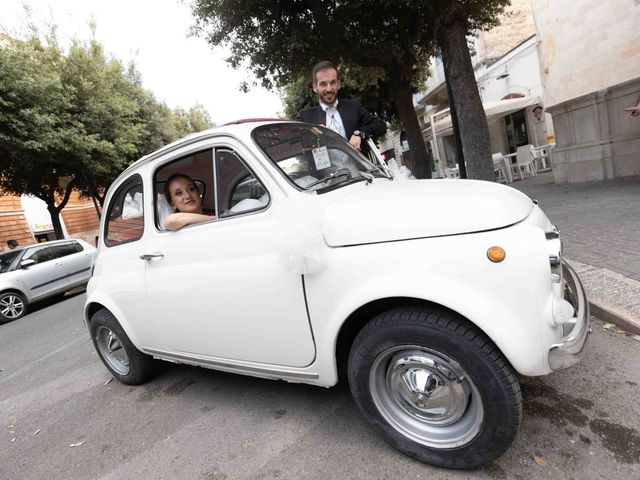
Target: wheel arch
x=356 y=321
x=16 y=290
x=97 y=304
x=90 y=310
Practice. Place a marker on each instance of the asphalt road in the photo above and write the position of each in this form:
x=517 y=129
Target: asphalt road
x=70 y=422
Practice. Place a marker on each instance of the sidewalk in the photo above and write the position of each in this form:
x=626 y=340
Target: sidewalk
x=600 y=227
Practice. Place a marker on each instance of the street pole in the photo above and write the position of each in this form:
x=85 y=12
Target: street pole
x=456 y=129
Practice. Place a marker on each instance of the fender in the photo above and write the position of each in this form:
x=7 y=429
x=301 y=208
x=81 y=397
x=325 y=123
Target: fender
x=518 y=320
x=107 y=302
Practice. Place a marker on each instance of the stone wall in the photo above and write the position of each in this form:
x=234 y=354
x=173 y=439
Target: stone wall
x=595 y=138
x=586 y=45
x=515 y=27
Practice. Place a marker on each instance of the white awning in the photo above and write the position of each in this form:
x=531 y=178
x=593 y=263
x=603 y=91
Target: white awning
x=493 y=110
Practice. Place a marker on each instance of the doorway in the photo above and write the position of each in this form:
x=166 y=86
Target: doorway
x=517 y=134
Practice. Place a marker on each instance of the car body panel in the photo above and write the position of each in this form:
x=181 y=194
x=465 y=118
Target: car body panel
x=390 y=211
x=267 y=293
x=51 y=277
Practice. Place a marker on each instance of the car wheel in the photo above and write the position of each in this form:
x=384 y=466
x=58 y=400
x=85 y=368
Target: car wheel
x=436 y=387
x=120 y=356
x=12 y=306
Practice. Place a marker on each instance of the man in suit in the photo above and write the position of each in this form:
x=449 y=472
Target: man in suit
x=344 y=116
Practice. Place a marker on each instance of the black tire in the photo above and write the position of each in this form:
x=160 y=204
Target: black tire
x=436 y=387
x=12 y=306
x=119 y=355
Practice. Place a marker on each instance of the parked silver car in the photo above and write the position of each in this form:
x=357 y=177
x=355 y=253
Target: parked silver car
x=42 y=270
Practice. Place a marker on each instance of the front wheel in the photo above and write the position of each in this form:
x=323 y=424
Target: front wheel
x=436 y=387
x=119 y=355
x=12 y=306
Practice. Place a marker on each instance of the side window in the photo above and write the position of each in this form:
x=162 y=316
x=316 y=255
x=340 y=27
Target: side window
x=64 y=249
x=39 y=254
x=239 y=190
x=198 y=168
x=125 y=217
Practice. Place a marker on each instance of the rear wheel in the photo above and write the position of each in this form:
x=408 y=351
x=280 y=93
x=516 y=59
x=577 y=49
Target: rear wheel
x=12 y=306
x=436 y=387
x=120 y=356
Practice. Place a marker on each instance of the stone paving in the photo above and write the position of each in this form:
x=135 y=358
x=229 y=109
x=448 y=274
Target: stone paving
x=599 y=221
x=600 y=226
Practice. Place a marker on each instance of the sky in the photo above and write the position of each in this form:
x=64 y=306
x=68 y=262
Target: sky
x=179 y=70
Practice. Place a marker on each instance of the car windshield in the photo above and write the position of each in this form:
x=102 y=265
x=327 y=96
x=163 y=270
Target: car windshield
x=313 y=157
x=6 y=259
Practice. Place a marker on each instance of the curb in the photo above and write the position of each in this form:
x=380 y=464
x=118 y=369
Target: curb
x=617 y=317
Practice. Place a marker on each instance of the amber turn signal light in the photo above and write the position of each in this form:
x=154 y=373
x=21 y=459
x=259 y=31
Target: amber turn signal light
x=496 y=254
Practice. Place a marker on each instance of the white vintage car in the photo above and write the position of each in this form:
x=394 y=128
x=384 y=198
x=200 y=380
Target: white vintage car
x=428 y=296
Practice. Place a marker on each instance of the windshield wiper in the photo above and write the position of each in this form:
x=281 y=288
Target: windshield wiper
x=338 y=173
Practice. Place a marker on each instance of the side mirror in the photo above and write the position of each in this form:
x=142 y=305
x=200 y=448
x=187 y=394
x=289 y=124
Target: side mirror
x=27 y=263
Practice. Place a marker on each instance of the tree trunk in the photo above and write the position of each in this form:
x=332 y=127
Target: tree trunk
x=474 y=130
x=403 y=100
x=55 y=218
x=95 y=205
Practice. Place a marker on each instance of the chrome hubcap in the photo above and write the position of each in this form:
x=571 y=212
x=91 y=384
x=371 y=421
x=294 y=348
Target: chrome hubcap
x=112 y=350
x=11 y=306
x=426 y=396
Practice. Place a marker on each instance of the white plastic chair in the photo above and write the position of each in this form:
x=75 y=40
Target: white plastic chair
x=499 y=167
x=524 y=162
x=540 y=157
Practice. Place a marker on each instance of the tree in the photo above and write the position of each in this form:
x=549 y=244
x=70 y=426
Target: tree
x=75 y=120
x=195 y=119
x=456 y=20
x=281 y=39
x=39 y=136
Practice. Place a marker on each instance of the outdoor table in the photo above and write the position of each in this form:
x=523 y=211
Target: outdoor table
x=507 y=163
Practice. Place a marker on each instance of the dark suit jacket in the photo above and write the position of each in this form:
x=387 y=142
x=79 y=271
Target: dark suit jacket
x=354 y=117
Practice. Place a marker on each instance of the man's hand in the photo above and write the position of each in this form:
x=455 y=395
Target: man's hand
x=355 y=141
x=633 y=111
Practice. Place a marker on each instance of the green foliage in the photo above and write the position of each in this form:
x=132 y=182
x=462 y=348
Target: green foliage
x=281 y=40
x=76 y=119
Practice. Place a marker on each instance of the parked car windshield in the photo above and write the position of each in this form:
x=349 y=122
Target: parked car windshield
x=6 y=259
x=313 y=157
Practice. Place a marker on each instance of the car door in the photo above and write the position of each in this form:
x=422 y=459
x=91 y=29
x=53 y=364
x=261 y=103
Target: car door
x=46 y=276
x=75 y=261
x=118 y=266
x=222 y=288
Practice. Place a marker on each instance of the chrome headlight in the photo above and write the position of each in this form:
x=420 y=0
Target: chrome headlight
x=554 y=246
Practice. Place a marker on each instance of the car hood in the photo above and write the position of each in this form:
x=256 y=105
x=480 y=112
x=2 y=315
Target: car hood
x=386 y=211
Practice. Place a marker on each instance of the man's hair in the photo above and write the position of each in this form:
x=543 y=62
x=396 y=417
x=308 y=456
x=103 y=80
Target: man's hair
x=323 y=65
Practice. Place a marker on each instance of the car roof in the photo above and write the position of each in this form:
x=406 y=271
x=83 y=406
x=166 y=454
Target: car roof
x=37 y=244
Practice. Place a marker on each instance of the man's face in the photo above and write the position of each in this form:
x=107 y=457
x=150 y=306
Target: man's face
x=327 y=85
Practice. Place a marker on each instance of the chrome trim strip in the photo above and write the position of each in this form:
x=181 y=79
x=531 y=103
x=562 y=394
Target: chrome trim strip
x=230 y=366
x=569 y=351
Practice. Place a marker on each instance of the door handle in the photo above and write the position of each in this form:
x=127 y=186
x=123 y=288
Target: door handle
x=149 y=256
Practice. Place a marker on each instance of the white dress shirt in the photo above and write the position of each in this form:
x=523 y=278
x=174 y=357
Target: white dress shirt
x=334 y=120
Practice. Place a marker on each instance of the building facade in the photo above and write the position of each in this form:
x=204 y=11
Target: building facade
x=507 y=71
x=26 y=220
x=590 y=62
